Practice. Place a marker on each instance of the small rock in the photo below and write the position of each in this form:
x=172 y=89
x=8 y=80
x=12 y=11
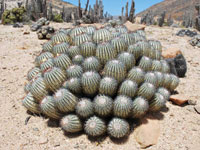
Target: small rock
x=4 y=68
x=148 y=132
x=178 y=99
x=197 y=108
x=192 y=102
x=26 y=32
x=56 y=144
x=35 y=129
x=43 y=140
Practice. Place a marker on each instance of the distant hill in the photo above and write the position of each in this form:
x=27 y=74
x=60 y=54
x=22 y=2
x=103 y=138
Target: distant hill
x=57 y=4
x=175 y=8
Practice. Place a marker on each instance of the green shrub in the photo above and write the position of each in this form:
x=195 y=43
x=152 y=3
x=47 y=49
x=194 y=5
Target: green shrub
x=14 y=15
x=57 y=18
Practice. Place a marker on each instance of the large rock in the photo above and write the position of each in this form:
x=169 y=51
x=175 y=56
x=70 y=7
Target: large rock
x=148 y=132
x=134 y=27
x=171 y=52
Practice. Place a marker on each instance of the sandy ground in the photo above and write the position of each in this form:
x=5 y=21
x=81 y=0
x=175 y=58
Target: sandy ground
x=180 y=126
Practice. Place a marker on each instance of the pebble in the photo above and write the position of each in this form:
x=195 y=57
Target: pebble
x=192 y=102
x=43 y=140
x=197 y=109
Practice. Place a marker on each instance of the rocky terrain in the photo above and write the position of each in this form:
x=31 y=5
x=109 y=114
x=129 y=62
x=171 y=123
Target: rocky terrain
x=176 y=127
x=175 y=8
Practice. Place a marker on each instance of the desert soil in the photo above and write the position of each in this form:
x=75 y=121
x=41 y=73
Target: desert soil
x=180 y=126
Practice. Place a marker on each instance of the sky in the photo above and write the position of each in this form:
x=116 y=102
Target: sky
x=114 y=7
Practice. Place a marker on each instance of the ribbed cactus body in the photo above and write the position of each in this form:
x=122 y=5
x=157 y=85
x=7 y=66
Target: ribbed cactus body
x=108 y=86
x=90 y=82
x=145 y=63
x=48 y=107
x=27 y=88
x=122 y=106
x=88 y=49
x=101 y=35
x=128 y=59
x=31 y=104
x=71 y=123
x=115 y=35
x=115 y=69
x=59 y=38
x=157 y=102
x=78 y=59
x=156 y=45
x=47 y=65
x=85 y=108
x=47 y=47
x=128 y=88
x=34 y=72
x=74 y=85
x=122 y=29
x=42 y=58
x=156 y=65
x=160 y=78
x=91 y=64
x=105 y=52
x=103 y=105
x=139 y=107
x=90 y=30
x=80 y=39
x=135 y=50
x=151 y=77
x=167 y=80
x=118 y=128
x=129 y=39
x=54 y=78
x=136 y=74
x=145 y=47
x=165 y=66
x=77 y=31
x=73 y=51
x=119 y=44
x=61 y=48
x=95 y=126
x=146 y=90
x=174 y=82
x=62 y=61
x=74 y=71
x=65 y=100
x=39 y=89
x=164 y=92
x=141 y=33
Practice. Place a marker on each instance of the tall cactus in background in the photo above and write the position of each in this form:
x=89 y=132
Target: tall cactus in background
x=50 y=12
x=170 y=21
x=44 y=8
x=197 y=19
x=79 y=10
x=126 y=14
x=132 y=12
x=86 y=7
x=161 y=19
x=2 y=8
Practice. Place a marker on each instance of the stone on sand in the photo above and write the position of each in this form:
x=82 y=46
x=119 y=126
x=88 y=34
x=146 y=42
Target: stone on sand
x=147 y=133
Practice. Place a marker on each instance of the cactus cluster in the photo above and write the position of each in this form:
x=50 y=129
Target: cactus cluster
x=93 y=81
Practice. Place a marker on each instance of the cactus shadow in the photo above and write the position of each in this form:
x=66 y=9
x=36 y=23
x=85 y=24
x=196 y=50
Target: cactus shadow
x=98 y=139
x=120 y=141
x=53 y=123
x=73 y=135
